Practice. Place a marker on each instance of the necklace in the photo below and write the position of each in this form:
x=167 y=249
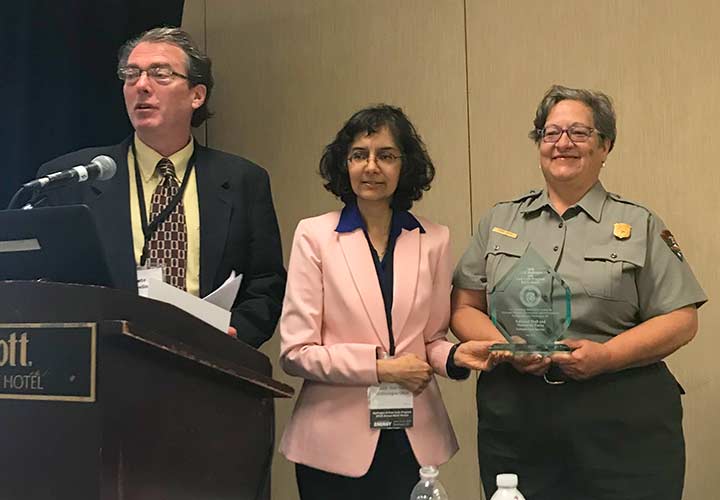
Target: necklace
x=385 y=238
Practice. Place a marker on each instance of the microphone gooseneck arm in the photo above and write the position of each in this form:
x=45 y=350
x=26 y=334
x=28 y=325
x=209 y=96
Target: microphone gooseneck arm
x=101 y=168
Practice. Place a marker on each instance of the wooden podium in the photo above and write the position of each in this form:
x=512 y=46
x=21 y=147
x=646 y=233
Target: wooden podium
x=105 y=395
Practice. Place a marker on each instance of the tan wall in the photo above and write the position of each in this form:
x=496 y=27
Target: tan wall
x=289 y=72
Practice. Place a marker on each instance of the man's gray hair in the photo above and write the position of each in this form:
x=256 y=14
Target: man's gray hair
x=198 y=64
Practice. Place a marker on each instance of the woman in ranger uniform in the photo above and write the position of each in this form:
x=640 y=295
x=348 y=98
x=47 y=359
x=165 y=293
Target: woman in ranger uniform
x=603 y=421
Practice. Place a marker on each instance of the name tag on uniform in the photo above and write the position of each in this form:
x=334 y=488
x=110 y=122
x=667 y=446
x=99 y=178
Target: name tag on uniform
x=504 y=232
x=391 y=406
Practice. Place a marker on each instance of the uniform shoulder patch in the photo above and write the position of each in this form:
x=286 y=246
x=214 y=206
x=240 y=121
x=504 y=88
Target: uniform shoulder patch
x=669 y=240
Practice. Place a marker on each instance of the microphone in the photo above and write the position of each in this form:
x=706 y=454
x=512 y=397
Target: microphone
x=101 y=168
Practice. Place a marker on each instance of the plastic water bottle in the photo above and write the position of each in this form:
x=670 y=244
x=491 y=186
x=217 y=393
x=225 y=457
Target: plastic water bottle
x=429 y=487
x=507 y=488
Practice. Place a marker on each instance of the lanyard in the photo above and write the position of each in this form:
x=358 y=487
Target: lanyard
x=148 y=228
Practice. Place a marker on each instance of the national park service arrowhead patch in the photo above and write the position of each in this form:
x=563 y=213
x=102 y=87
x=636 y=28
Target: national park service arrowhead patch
x=669 y=239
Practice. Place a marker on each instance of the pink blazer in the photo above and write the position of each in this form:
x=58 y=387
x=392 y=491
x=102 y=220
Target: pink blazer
x=332 y=327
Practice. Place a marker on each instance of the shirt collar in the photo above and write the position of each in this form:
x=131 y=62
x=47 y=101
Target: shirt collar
x=592 y=203
x=350 y=220
x=148 y=159
x=537 y=202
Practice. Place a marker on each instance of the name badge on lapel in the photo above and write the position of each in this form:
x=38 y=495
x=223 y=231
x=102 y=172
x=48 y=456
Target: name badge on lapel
x=391 y=406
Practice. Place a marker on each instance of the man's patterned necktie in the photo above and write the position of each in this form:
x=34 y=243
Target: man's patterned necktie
x=168 y=245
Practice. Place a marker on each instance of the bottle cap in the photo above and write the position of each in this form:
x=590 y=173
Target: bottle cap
x=428 y=472
x=507 y=480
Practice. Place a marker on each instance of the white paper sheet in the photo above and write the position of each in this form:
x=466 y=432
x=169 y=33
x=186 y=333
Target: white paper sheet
x=225 y=295
x=201 y=309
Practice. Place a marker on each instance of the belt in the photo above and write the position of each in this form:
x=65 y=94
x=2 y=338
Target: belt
x=555 y=376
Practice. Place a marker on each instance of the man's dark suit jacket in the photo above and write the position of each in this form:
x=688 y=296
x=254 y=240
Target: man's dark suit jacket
x=238 y=229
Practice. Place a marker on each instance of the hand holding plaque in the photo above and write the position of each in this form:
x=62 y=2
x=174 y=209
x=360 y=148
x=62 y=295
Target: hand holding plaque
x=530 y=306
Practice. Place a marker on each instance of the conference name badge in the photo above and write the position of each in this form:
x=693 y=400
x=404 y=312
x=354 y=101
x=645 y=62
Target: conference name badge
x=391 y=406
x=144 y=275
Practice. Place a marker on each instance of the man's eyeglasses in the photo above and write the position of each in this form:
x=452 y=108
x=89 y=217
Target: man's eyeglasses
x=360 y=158
x=576 y=133
x=160 y=74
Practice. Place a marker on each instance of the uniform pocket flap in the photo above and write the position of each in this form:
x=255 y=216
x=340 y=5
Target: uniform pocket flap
x=502 y=245
x=632 y=254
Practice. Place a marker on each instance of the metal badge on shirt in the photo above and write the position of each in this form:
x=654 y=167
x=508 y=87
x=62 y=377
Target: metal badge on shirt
x=391 y=406
x=622 y=231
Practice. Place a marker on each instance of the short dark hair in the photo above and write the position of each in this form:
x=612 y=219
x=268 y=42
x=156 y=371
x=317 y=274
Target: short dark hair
x=198 y=64
x=417 y=170
x=600 y=104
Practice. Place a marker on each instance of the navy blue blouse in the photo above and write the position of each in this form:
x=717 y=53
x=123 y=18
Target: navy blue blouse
x=350 y=220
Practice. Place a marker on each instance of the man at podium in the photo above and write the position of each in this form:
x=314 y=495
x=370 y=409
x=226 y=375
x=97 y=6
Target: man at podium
x=199 y=214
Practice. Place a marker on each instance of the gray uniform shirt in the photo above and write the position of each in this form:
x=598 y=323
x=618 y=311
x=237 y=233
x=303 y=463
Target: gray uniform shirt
x=617 y=280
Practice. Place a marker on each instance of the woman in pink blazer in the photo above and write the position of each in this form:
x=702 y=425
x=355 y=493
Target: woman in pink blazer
x=367 y=306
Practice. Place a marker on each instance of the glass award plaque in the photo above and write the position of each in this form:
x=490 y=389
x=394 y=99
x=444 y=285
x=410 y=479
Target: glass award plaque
x=530 y=306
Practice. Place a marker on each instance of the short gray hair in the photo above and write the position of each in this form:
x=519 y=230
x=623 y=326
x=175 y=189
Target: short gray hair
x=198 y=64
x=600 y=104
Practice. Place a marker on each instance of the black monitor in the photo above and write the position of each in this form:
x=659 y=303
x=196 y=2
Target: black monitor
x=53 y=244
